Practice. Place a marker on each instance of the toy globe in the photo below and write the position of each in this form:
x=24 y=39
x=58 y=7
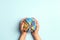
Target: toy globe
x=29 y=24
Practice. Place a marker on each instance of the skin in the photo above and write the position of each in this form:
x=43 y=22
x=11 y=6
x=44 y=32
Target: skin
x=22 y=36
x=23 y=32
x=34 y=34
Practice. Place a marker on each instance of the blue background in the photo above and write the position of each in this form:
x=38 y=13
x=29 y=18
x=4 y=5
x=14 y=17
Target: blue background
x=47 y=12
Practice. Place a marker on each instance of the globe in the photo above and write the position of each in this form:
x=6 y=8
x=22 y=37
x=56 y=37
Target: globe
x=29 y=25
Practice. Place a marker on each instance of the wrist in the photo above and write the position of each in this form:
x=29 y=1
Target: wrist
x=36 y=36
x=24 y=33
x=22 y=36
x=35 y=33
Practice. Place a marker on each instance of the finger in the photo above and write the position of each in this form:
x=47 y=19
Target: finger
x=37 y=24
x=37 y=27
x=22 y=23
x=21 y=26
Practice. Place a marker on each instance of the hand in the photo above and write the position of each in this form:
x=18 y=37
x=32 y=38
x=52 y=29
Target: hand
x=35 y=33
x=37 y=27
x=23 y=32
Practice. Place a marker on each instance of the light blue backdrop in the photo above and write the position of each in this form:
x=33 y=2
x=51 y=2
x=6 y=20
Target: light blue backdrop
x=47 y=12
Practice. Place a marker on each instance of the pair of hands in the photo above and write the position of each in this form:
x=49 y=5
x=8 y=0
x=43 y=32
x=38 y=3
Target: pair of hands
x=34 y=34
